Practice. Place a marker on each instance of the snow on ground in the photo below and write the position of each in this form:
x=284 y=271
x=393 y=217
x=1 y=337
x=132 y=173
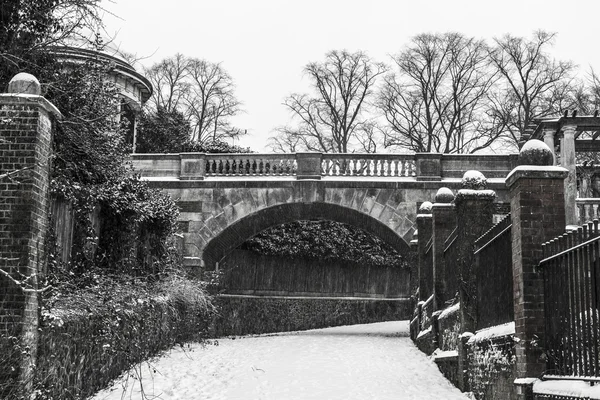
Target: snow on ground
x=372 y=361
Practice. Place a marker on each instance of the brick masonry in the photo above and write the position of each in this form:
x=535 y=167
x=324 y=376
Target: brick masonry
x=25 y=143
x=538 y=215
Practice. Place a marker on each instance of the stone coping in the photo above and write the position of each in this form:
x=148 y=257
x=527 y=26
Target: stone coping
x=30 y=99
x=535 y=172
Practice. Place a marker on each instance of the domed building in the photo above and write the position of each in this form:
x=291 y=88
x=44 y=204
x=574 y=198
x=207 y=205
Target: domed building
x=134 y=88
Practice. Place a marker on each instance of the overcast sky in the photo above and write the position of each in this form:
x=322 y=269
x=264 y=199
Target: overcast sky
x=264 y=44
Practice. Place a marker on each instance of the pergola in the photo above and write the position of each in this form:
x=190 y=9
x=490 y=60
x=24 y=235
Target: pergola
x=570 y=134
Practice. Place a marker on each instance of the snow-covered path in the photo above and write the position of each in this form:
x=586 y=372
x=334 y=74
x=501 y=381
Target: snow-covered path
x=373 y=361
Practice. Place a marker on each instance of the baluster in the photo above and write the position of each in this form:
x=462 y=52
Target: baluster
x=368 y=162
x=396 y=172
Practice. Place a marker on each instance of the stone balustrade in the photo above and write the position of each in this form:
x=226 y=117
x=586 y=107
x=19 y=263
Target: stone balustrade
x=587 y=209
x=419 y=166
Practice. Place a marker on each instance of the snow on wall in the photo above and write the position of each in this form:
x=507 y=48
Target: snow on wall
x=572 y=388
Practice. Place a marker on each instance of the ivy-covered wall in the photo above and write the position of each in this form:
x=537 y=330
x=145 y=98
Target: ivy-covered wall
x=449 y=328
x=492 y=368
x=81 y=351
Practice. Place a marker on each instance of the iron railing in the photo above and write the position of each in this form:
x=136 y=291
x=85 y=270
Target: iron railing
x=571 y=299
x=493 y=257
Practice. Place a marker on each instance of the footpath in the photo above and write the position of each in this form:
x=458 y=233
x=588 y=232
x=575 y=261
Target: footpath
x=371 y=361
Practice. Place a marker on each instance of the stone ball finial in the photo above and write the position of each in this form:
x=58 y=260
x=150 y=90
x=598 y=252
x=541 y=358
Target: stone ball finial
x=474 y=180
x=444 y=195
x=24 y=83
x=425 y=207
x=536 y=152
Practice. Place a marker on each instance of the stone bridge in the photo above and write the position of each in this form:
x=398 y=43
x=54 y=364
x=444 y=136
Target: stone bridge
x=226 y=199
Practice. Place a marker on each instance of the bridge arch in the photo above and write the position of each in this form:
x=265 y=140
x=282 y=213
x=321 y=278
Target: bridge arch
x=244 y=228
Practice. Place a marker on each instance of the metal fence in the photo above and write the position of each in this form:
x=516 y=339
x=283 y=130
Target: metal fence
x=451 y=255
x=493 y=255
x=570 y=272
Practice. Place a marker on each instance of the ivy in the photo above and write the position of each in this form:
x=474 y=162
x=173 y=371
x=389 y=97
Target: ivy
x=325 y=240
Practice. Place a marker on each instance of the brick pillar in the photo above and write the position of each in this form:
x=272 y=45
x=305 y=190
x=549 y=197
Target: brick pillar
x=538 y=215
x=25 y=143
x=444 y=222
x=567 y=160
x=475 y=215
x=424 y=232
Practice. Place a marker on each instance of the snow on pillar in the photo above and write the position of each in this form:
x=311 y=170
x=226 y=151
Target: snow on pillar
x=538 y=215
x=567 y=160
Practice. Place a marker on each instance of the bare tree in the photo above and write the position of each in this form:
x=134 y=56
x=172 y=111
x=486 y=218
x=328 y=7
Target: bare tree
x=211 y=101
x=435 y=100
x=168 y=79
x=201 y=90
x=533 y=84
x=332 y=119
